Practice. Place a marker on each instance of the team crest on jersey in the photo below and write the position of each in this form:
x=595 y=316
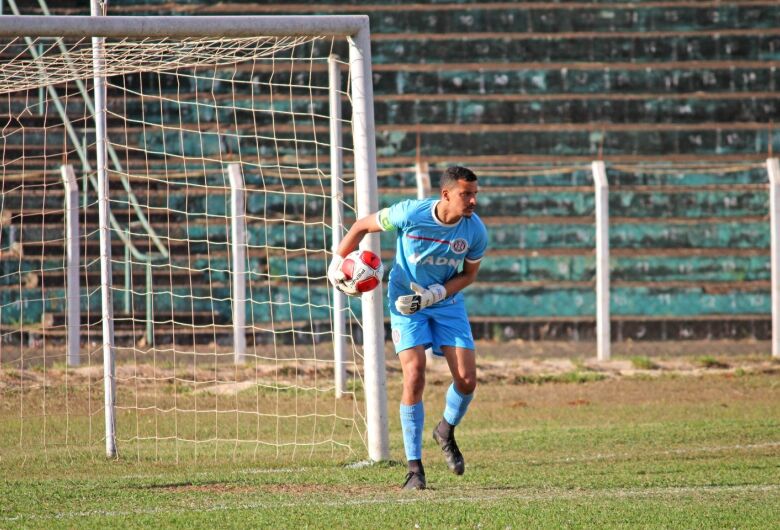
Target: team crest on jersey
x=459 y=246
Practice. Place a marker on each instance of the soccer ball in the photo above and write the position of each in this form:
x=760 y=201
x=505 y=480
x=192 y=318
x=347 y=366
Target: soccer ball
x=363 y=272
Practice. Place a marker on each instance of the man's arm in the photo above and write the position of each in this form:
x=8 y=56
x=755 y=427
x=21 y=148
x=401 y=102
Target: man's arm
x=463 y=279
x=360 y=228
x=432 y=294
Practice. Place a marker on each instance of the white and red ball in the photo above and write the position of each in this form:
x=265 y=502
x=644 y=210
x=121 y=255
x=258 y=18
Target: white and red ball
x=363 y=271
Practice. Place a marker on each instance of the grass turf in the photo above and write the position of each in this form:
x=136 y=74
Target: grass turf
x=668 y=451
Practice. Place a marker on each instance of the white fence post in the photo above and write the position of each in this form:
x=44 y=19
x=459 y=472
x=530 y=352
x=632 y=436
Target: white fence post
x=238 y=251
x=601 y=187
x=773 y=168
x=72 y=287
x=422 y=173
x=337 y=217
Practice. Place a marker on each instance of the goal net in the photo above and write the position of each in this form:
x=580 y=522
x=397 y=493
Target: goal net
x=218 y=341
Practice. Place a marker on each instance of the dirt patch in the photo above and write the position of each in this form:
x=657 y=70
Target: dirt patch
x=206 y=488
x=509 y=362
x=226 y=389
x=511 y=369
x=340 y=490
x=661 y=394
x=624 y=349
x=291 y=488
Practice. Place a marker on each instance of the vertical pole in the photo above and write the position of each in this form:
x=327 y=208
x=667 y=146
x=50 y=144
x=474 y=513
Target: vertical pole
x=238 y=250
x=422 y=173
x=109 y=384
x=72 y=264
x=602 y=261
x=149 y=303
x=42 y=88
x=367 y=202
x=773 y=168
x=128 y=276
x=337 y=216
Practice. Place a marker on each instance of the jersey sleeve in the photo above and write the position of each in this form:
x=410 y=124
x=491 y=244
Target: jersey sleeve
x=479 y=245
x=394 y=217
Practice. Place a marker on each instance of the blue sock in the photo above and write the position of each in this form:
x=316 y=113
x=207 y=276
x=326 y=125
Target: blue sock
x=456 y=405
x=412 y=419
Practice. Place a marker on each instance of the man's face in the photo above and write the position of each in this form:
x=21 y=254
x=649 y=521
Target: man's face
x=462 y=197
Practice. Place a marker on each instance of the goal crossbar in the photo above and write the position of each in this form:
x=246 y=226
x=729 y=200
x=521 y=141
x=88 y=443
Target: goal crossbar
x=181 y=27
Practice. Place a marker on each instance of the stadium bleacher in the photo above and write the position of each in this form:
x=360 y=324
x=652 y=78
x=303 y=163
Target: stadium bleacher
x=679 y=102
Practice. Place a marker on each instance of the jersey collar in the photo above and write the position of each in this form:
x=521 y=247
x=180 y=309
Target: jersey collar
x=436 y=219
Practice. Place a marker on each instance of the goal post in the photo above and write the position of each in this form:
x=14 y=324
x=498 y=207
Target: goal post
x=217 y=130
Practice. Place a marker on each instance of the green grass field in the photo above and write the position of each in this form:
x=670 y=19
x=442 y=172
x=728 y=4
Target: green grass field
x=654 y=449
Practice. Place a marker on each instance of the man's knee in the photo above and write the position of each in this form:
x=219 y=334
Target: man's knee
x=414 y=380
x=466 y=384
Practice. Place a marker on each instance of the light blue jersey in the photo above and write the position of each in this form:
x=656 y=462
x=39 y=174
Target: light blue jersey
x=429 y=251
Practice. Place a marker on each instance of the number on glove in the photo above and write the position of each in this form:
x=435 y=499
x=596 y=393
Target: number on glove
x=411 y=303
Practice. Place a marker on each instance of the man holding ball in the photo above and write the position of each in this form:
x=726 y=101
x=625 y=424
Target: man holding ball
x=439 y=247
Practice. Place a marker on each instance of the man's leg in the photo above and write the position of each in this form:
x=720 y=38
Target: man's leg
x=463 y=367
x=413 y=413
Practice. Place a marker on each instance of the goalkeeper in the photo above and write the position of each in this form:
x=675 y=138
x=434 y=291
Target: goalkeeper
x=439 y=247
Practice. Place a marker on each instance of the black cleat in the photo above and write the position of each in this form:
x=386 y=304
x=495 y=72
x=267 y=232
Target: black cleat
x=452 y=454
x=414 y=481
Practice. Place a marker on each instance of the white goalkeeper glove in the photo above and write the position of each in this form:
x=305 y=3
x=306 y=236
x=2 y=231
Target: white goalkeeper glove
x=336 y=276
x=411 y=303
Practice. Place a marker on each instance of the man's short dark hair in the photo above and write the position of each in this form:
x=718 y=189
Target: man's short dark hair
x=451 y=175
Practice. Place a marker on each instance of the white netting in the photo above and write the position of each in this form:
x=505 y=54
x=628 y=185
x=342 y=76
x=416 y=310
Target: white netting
x=53 y=65
x=179 y=114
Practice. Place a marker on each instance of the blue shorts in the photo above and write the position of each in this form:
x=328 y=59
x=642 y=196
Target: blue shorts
x=445 y=324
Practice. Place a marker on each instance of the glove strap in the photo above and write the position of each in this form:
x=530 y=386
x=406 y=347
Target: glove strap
x=439 y=292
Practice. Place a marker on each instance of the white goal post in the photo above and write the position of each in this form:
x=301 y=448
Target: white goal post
x=178 y=43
